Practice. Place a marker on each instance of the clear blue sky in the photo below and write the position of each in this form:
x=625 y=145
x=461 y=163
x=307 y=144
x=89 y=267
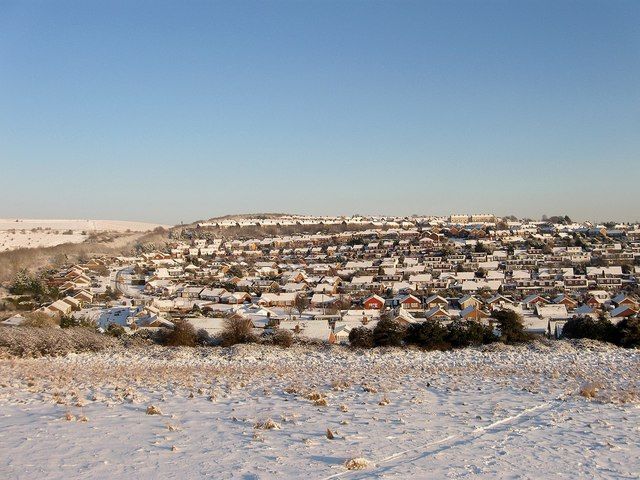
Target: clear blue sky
x=176 y=111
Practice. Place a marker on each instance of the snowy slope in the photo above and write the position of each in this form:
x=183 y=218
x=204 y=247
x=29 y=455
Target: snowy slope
x=504 y=413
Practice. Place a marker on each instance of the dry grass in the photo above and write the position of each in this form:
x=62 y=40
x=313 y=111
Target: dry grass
x=35 y=342
x=153 y=410
x=590 y=390
x=357 y=463
x=268 y=424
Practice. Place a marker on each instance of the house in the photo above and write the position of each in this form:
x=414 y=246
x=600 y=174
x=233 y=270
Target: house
x=341 y=330
x=191 y=292
x=212 y=294
x=623 y=311
x=374 y=302
x=530 y=301
x=469 y=300
x=473 y=312
x=84 y=297
x=410 y=302
x=566 y=300
x=437 y=313
x=278 y=299
x=14 y=321
x=236 y=297
x=404 y=317
x=555 y=311
x=322 y=300
x=499 y=302
x=435 y=301
x=623 y=299
x=59 y=307
x=73 y=302
x=314 y=329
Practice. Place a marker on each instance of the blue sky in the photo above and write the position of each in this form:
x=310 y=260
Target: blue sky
x=176 y=111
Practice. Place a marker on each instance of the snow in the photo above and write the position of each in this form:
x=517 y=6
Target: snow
x=86 y=225
x=31 y=233
x=488 y=413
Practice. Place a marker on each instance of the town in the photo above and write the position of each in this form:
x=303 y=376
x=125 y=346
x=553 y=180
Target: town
x=321 y=277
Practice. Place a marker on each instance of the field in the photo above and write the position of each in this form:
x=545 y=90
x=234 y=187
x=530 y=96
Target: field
x=546 y=410
x=28 y=233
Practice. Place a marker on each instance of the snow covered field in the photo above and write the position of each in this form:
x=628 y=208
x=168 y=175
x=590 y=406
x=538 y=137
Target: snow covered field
x=26 y=233
x=505 y=412
x=86 y=225
x=11 y=240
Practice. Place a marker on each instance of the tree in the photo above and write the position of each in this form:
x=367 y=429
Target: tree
x=237 y=330
x=511 y=326
x=430 y=335
x=235 y=271
x=467 y=333
x=628 y=332
x=388 y=333
x=182 y=335
x=361 y=337
x=587 y=327
x=301 y=303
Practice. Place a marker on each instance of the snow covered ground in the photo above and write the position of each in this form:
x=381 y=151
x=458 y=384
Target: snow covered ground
x=86 y=225
x=11 y=240
x=502 y=412
x=29 y=233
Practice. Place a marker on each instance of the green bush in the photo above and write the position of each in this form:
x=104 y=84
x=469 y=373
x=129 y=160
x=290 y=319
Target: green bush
x=511 y=326
x=463 y=333
x=587 y=327
x=430 y=335
x=628 y=333
x=361 y=337
x=388 y=333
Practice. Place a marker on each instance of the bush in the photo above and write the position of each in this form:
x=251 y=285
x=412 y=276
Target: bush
x=430 y=335
x=40 y=320
x=203 y=337
x=115 y=330
x=33 y=342
x=361 y=337
x=68 y=322
x=388 y=333
x=237 y=330
x=588 y=327
x=628 y=333
x=511 y=326
x=282 y=338
x=182 y=335
x=462 y=334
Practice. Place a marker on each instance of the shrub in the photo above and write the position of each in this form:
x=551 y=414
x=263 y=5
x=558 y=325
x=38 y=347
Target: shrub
x=282 y=338
x=587 y=327
x=203 y=337
x=628 y=333
x=430 y=335
x=182 y=335
x=511 y=326
x=116 y=330
x=237 y=330
x=68 y=322
x=462 y=334
x=32 y=342
x=40 y=320
x=361 y=337
x=388 y=333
